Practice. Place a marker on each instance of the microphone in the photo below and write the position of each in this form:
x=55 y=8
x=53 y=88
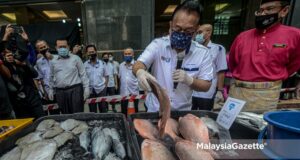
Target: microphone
x=180 y=57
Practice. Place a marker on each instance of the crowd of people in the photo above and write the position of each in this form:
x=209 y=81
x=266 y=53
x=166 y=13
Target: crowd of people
x=186 y=63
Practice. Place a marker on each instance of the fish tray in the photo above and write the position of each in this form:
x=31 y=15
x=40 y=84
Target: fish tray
x=9 y=142
x=237 y=131
x=19 y=124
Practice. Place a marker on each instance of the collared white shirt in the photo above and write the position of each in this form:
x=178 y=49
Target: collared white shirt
x=96 y=74
x=111 y=71
x=128 y=82
x=163 y=60
x=66 y=72
x=43 y=68
x=218 y=55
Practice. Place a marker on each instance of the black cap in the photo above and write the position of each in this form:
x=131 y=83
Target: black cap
x=287 y=2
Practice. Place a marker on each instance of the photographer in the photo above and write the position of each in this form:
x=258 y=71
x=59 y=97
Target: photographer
x=24 y=96
x=21 y=89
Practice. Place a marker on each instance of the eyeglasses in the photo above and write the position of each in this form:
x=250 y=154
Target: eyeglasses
x=188 y=31
x=267 y=10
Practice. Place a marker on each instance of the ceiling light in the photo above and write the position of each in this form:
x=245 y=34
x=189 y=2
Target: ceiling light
x=169 y=10
x=79 y=24
x=10 y=16
x=78 y=19
x=64 y=21
x=221 y=6
x=55 y=14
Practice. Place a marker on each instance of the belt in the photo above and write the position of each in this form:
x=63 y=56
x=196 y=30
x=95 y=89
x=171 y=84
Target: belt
x=69 y=87
x=257 y=85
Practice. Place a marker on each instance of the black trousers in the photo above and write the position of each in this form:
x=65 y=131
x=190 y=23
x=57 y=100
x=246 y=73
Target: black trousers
x=103 y=107
x=124 y=106
x=70 y=100
x=110 y=91
x=202 y=103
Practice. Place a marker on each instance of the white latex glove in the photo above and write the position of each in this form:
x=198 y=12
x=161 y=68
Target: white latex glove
x=86 y=93
x=50 y=95
x=219 y=97
x=142 y=77
x=180 y=76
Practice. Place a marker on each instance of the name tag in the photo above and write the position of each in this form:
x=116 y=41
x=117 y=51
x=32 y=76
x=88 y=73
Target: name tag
x=277 y=45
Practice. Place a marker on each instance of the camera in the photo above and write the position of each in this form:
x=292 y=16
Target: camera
x=17 y=29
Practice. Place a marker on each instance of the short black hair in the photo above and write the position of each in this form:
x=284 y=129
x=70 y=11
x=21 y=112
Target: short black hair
x=90 y=46
x=105 y=53
x=285 y=3
x=61 y=39
x=189 y=6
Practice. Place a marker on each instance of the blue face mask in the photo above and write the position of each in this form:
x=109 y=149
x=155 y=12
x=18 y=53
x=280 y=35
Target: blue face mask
x=63 y=52
x=180 y=40
x=128 y=58
x=200 y=38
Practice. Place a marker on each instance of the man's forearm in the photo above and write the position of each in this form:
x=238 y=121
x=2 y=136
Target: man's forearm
x=4 y=71
x=138 y=65
x=200 y=85
x=221 y=78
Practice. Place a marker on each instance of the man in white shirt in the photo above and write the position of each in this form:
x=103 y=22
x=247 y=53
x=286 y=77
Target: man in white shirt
x=98 y=78
x=205 y=100
x=112 y=73
x=128 y=82
x=162 y=56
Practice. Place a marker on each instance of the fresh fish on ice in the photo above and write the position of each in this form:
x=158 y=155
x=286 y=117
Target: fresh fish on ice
x=164 y=105
x=85 y=139
x=80 y=128
x=101 y=143
x=40 y=150
x=62 y=138
x=69 y=124
x=14 y=154
x=187 y=150
x=154 y=150
x=45 y=125
x=118 y=147
x=146 y=129
x=52 y=132
x=30 y=138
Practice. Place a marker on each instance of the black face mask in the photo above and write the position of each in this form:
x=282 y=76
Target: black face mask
x=44 y=51
x=105 y=60
x=93 y=56
x=265 y=21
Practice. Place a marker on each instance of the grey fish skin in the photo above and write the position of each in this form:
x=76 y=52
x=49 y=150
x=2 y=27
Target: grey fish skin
x=45 y=125
x=14 y=154
x=80 y=128
x=85 y=140
x=69 y=124
x=29 y=138
x=52 y=132
x=41 y=150
x=117 y=145
x=101 y=143
x=63 y=138
x=111 y=156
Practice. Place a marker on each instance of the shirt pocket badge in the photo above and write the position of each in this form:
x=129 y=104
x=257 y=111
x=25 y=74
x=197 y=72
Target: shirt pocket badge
x=279 y=45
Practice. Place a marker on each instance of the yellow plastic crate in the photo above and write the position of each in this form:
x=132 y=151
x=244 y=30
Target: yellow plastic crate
x=19 y=124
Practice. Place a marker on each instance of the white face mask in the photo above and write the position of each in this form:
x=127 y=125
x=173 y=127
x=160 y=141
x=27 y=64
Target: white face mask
x=111 y=58
x=200 y=38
